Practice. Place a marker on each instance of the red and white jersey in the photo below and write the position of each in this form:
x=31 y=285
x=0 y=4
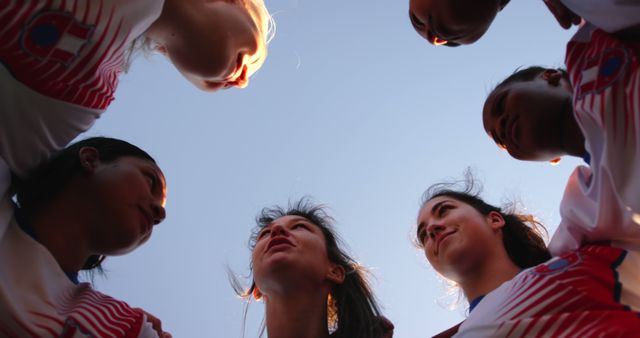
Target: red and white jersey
x=608 y=15
x=63 y=57
x=59 y=63
x=591 y=287
x=602 y=203
x=37 y=299
x=591 y=292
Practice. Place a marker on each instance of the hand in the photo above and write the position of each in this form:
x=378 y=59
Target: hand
x=155 y=323
x=566 y=18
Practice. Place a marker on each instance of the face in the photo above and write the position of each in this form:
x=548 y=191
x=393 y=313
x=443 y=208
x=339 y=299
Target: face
x=530 y=119
x=291 y=251
x=455 y=236
x=214 y=44
x=452 y=22
x=127 y=197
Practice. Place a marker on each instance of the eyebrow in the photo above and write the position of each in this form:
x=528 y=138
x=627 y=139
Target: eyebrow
x=437 y=206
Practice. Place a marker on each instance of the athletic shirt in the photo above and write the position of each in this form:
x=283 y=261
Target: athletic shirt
x=608 y=15
x=37 y=299
x=59 y=66
x=591 y=286
x=62 y=57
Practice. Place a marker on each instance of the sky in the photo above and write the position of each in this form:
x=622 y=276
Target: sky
x=352 y=108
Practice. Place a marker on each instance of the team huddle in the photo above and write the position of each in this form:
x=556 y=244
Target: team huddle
x=66 y=207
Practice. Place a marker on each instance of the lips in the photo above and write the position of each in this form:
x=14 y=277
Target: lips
x=147 y=222
x=278 y=242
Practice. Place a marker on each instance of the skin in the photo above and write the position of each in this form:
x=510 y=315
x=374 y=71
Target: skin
x=215 y=44
x=465 y=246
x=534 y=120
x=294 y=277
x=459 y=22
x=109 y=210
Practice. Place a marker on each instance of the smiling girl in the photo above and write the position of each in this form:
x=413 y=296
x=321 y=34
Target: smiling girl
x=501 y=264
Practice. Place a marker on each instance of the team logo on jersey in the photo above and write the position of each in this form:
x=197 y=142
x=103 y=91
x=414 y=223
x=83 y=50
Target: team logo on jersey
x=557 y=264
x=55 y=36
x=602 y=71
x=73 y=329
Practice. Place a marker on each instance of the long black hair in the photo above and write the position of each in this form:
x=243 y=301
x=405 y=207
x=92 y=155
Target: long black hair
x=356 y=313
x=49 y=179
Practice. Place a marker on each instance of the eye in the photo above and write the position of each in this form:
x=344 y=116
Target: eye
x=422 y=233
x=264 y=232
x=442 y=210
x=300 y=225
x=417 y=24
x=151 y=179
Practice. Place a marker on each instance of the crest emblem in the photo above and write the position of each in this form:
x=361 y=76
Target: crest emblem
x=55 y=36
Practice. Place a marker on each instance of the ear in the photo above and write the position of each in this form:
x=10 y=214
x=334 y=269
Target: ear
x=552 y=76
x=496 y=220
x=89 y=158
x=161 y=49
x=257 y=294
x=336 y=273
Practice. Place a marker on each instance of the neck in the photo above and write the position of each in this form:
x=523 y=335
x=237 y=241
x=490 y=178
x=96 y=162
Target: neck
x=297 y=314
x=60 y=226
x=488 y=277
x=573 y=137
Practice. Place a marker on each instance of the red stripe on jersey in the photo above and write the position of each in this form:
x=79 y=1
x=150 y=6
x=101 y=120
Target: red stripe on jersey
x=51 y=331
x=93 y=325
x=101 y=315
x=56 y=57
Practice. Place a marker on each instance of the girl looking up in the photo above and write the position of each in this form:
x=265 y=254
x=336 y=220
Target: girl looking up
x=311 y=288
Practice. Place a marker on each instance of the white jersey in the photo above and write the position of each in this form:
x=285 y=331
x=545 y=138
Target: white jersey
x=608 y=15
x=591 y=286
x=602 y=203
x=59 y=63
x=37 y=299
x=61 y=57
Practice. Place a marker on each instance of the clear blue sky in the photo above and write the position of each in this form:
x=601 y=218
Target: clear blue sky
x=352 y=108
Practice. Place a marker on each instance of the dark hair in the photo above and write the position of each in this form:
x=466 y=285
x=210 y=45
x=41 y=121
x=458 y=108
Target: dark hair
x=522 y=233
x=356 y=312
x=528 y=74
x=49 y=179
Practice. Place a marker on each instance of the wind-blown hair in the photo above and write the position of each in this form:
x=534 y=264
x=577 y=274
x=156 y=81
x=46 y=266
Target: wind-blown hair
x=352 y=308
x=523 y=235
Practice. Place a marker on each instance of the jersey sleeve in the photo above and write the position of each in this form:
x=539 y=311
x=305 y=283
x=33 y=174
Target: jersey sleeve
x=608 y=15
x=59 y=69
x=594 y=220
x=602 y=203
x=33 y=126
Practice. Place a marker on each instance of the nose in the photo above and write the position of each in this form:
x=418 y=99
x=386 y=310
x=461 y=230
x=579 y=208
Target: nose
x=278 y=230
x=158 y=211
x=434 y=229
